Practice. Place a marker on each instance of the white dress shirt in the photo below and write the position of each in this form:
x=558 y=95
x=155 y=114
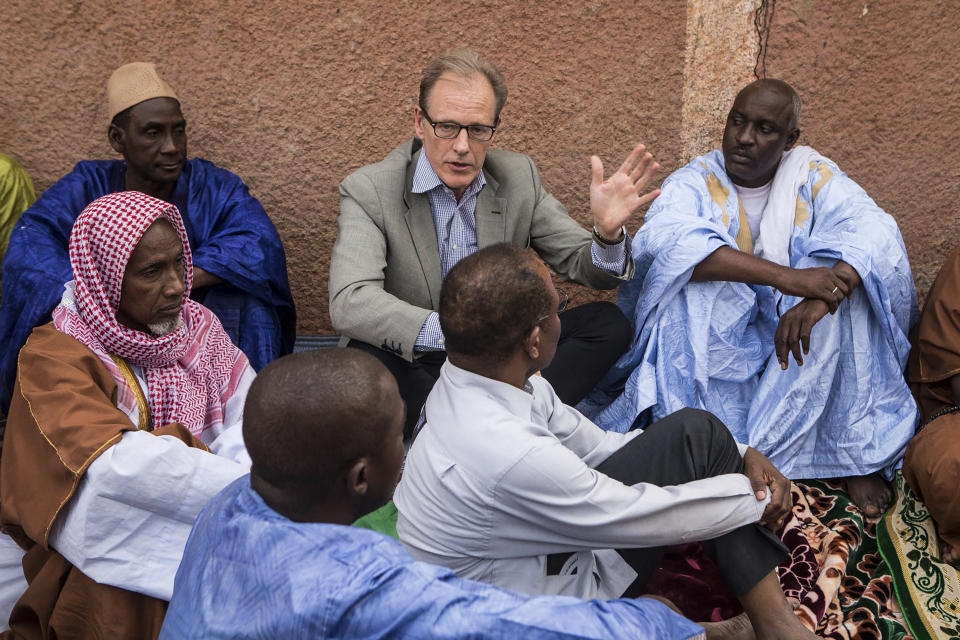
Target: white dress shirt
x=499 y=477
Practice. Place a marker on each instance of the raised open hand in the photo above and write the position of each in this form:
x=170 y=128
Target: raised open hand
x=613 y=201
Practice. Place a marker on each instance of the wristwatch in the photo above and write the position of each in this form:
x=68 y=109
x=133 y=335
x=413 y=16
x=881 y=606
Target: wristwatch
x=609 y=243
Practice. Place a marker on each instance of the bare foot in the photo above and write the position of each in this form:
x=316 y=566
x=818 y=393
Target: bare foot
x=949 y=554
x=871 y=493
x=735 y=628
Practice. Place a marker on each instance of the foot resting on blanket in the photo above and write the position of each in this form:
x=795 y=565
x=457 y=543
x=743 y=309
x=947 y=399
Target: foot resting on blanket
x=949 y=554
x=735 y=628
x=871 y=493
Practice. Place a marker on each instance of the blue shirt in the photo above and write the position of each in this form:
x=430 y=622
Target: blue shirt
x=456 y=228
x=248 y=572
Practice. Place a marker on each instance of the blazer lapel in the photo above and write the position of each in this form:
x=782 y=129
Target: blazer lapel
x=423 y=233
x=490 y=215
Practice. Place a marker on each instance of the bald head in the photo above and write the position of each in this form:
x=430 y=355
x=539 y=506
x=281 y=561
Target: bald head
x=779 y=89
x=761 y=126
x=491 y=300
x=308 y=416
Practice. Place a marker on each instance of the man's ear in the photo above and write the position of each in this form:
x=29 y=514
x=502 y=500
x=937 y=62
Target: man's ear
x=531 y=344
x=418 y=126
x=116 y=137
x=792 y=139
x=357 y=477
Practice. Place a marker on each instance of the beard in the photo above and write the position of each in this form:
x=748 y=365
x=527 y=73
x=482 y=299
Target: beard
x=161 y=329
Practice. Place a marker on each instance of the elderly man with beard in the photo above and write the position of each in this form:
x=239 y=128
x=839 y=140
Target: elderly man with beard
x=754 y=254
x=125 y=421
x=240 y=266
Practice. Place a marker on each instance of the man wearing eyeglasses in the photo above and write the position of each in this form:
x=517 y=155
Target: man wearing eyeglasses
x=407 y=220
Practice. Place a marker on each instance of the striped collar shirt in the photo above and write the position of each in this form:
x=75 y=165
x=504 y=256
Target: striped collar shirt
x=454 y=221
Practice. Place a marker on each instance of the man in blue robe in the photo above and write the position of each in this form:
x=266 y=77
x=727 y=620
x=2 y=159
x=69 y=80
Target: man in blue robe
x=240 y=268
x=754 y=254
x=273 y=555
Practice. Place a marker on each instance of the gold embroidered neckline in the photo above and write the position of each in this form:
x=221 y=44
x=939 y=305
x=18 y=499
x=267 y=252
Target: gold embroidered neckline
x=143 y=409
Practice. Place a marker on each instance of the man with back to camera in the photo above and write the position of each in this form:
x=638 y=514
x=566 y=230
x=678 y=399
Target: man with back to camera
x=241 y=272
x=405 y=221
x=756 y=253
x=506 y=484
x=273 y=555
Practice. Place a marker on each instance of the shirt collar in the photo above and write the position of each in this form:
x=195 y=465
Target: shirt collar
x=518 y=401
x=425 y=178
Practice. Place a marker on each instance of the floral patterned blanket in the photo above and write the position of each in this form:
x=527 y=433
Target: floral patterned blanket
x=835 y=575
x=847 y=574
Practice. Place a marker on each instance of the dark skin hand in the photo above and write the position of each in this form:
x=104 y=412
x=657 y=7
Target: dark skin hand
x=763 y=474
x=203 y=278
x=728 y=264
x=796 y=325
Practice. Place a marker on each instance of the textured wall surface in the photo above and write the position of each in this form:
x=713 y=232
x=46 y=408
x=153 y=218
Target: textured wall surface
x=880 y=82
x=720 y=50
x=292 y=97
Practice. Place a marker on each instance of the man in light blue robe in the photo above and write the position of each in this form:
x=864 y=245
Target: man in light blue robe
x=273 y=555
x=756 y=254
x=239 y=262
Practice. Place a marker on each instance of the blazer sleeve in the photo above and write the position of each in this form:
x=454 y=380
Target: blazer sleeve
x=360 y=308
x=564 y=244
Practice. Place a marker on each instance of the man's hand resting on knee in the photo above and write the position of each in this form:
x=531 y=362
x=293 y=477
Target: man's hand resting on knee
x=764 y=475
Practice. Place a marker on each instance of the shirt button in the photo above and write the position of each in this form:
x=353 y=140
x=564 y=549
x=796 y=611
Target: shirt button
x=454 y=246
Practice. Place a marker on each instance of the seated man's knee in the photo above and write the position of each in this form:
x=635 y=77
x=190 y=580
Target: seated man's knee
x=616 y=326
x=931 y=465
x=698 y=423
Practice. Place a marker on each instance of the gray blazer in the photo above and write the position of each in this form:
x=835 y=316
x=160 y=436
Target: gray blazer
x=385 y=267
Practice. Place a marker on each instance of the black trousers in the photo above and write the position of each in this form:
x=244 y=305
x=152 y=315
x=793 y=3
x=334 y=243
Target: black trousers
x=592 y=337
x=690 y=445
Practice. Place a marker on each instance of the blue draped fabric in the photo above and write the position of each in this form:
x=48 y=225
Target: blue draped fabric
x=230 y=235
x=847 y=410
x=248 y=572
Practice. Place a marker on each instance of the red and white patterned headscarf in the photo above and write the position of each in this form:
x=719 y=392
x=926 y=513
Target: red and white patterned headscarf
x=190 y=372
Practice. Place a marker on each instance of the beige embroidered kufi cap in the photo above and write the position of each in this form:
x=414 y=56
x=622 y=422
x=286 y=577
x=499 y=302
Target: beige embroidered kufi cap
x=132 y=84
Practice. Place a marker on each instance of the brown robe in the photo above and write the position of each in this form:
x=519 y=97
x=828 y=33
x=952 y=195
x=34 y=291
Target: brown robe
x=931 y=464
x=62 y=416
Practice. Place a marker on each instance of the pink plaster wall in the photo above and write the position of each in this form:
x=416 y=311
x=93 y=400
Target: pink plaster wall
x=880 y=81
x=294 y=96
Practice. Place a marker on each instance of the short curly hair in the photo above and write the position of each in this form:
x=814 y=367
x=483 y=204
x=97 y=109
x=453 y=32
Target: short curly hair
x=491 y=300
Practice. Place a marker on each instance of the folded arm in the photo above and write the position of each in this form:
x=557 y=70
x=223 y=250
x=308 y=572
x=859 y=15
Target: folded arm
x=829 y=285
x=128 y=522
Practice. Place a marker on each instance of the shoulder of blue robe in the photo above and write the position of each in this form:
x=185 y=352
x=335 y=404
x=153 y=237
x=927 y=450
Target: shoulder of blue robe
x=37 y=265
x=697 y=212
x=249 y=572
x=230 y=233
x=835 y=218
x=233 y=238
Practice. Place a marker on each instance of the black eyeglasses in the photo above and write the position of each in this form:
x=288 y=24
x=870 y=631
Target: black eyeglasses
x=449 y=130
x=560 y=305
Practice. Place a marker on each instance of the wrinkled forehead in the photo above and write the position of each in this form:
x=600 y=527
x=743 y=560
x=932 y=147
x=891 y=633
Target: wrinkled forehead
x=157 y=110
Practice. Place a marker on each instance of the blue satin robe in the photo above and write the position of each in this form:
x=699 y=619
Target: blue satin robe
x=230 y=236
x=847 y=410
